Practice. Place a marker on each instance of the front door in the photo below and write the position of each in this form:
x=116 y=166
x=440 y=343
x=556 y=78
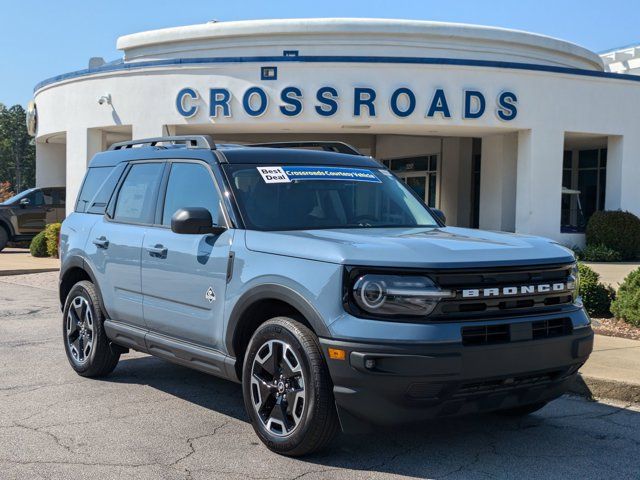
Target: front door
x=115 y=244
x=35 y=211
x=184 y=277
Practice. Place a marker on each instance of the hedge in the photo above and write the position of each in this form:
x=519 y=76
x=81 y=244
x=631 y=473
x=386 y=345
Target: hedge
x=615 y=230
x=38 y=247
x=626 y=306
x=52 y=233
x=596 y=297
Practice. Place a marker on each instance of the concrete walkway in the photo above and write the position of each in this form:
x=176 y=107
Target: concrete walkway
x=613 y=370
x=17 y=261
x=613 y=273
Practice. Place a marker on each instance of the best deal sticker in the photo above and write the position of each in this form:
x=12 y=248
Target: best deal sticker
x=273 y=175
x=288 y=174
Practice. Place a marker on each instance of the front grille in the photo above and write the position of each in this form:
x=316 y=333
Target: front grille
x=501 y=305
x=521 y=331
x=511 y=383
x=556 y=327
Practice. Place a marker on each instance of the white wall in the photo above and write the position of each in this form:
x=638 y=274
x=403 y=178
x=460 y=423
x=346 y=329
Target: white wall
x=50 y=164
x=498 y=182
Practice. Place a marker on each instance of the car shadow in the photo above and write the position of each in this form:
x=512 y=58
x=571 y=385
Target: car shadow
x=569 y=438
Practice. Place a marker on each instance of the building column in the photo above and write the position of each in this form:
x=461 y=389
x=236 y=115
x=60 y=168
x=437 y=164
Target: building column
x=539 y=182
x=623 y=174
x=498 y=182
x=77 y=161
x=50 y=164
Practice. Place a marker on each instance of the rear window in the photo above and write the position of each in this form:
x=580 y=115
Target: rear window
x=97 y=189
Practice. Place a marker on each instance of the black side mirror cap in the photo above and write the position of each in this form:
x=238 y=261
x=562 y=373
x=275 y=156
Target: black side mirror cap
x=440 y=214
x=194 y=221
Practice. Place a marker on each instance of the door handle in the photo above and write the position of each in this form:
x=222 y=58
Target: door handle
x=157 y=251
x=101 y=242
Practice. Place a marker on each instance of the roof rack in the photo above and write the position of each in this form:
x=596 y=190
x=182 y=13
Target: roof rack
x=339 y=147
x=189 y=141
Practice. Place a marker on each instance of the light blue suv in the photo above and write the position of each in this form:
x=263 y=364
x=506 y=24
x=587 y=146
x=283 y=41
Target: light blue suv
x=317 y=279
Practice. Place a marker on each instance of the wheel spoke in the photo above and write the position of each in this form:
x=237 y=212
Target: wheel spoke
x=279 y=414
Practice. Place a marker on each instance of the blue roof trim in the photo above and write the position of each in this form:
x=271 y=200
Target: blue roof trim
x=121 y=65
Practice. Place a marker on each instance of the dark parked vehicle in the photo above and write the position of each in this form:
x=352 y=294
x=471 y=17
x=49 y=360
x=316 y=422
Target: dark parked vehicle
x=25 y=215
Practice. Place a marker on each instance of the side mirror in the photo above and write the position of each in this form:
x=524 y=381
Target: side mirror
x=25 y=202
x=440 y=215
x=194 y=221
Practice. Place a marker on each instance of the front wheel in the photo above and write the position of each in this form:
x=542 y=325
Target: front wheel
x=88 y=349
x=287 y=389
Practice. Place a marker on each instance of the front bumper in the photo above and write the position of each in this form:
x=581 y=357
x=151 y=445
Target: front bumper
x=389 y=384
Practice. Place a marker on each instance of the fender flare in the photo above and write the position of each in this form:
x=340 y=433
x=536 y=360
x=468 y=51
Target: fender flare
x=273 y=291
x=77 y=261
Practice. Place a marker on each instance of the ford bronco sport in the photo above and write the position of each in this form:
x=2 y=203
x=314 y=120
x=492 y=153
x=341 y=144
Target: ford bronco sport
x=319 y=281
x=27 y=213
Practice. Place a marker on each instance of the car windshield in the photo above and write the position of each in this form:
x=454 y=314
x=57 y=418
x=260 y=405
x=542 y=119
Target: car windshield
x=321 y=197
x=17 y=197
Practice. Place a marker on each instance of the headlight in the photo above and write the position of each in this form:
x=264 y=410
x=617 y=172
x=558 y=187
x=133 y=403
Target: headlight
x=397 y=295
x=573 y=283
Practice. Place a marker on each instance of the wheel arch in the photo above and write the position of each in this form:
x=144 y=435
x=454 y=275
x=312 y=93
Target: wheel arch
x=74 y=270
x=7 y=227
x=258 y=305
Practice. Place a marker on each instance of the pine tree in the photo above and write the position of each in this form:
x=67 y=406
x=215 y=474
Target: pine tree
x=17 y=152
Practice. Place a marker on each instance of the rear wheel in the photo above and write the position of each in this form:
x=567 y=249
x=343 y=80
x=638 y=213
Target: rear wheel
x=522 y=410
x=4 y=238
x=287 y=390
x=88 y=349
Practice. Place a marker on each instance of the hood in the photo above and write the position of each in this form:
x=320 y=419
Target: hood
x=447 y=247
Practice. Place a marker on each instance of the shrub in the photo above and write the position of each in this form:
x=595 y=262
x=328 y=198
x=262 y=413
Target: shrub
x=38 y=247
x=595 y=296
x=599 y=253
x=615 y=230
x=51 y=233
x=627 y=303
x=5 y=191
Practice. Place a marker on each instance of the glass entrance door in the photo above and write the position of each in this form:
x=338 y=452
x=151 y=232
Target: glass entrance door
x=423 y=183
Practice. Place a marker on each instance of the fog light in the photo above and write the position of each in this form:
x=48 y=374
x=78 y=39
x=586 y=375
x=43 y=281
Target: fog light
x=370 y=363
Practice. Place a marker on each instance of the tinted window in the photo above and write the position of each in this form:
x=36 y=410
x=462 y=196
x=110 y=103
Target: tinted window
x=136 y=199
x=190 y=185
x=314 y=197
x=101 y=199
x=92 y=182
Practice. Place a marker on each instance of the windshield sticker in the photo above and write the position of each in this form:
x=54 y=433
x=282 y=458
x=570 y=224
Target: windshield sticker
x=273 y=175
x=289 y=174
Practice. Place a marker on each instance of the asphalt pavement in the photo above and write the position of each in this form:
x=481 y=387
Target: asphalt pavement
x=154 y=420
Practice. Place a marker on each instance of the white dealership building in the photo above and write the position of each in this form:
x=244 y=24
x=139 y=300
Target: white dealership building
x=501 y=129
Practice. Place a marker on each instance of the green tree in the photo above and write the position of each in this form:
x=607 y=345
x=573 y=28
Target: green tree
x=17 y=152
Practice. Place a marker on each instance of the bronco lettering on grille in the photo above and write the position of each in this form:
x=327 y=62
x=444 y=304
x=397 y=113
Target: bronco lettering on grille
x=516 y=290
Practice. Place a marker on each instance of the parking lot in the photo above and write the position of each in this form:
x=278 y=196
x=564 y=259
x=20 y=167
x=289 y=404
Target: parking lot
x=152 y=420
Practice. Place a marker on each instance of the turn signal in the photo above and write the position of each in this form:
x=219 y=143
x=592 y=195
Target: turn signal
x=337 y=354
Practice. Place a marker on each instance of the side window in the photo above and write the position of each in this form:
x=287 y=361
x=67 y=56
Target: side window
x=36 y=199
x=136 y=198
x=93 y=180
x=190 y=185
x=47 y=196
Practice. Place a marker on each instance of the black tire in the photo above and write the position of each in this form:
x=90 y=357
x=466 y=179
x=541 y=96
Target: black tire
x=4 y=238
x=317 y=421
x=522 y=410
x=101 y=358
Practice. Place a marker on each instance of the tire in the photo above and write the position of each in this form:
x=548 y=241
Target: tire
x=522 y=410
x=4 y=238
x=309 y=423
x=83 y=323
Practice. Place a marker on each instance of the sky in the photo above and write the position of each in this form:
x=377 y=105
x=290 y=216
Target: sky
x=43 y=38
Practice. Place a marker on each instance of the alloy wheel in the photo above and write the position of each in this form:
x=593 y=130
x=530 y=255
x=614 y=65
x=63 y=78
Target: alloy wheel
x=79 y=329
x=278 y=387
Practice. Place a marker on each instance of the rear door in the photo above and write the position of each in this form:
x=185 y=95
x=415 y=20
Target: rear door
x=115 y=243
x=59 y=195
x=184 y=277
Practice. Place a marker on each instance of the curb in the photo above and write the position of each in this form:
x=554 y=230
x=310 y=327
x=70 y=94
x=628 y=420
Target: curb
x=595 y=388
x=6 y=273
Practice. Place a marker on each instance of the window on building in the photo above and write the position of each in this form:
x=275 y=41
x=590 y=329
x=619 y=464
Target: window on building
x=419 y=173
x=583 y=187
